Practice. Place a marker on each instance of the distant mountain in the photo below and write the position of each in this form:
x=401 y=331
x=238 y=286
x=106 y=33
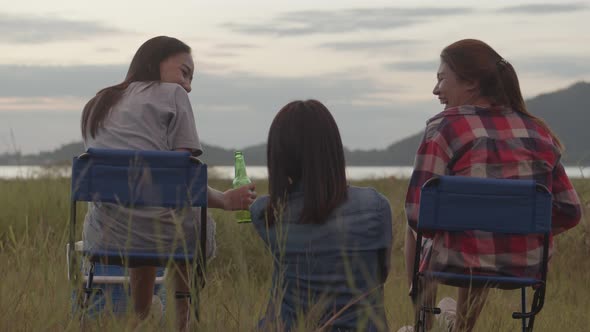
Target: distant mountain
x=566 y=111
x=214 y=156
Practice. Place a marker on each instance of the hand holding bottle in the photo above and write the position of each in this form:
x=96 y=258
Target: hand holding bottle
x=242 y=180
x=239 y=198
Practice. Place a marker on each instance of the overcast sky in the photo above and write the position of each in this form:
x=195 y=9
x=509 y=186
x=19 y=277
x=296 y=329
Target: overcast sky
x=373 y=63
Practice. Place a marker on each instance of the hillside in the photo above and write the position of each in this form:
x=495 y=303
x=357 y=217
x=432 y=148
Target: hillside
x=566 y=111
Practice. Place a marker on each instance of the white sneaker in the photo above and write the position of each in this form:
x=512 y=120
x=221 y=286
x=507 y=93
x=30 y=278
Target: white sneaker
x=406 y=328
x=448 y=313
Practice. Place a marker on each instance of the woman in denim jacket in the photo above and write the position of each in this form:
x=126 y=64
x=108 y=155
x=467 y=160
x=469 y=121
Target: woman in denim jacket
x=330 y=242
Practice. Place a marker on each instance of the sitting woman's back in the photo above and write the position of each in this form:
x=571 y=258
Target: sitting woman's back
x=330 y=241
x=331 y=265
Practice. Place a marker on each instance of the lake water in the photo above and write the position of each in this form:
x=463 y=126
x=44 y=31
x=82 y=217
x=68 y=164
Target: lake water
x=256 y=172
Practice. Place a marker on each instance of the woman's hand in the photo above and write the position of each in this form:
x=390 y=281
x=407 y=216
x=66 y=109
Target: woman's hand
x=240 y=198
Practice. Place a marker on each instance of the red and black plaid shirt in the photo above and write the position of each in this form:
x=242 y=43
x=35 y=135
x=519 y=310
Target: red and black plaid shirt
x=493 y=143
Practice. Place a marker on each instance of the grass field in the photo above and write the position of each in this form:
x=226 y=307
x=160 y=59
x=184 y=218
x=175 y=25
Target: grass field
x=35 y=292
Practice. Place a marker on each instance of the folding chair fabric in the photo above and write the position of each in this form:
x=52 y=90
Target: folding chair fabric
x=508 y=206
x=139 y=178
x=455 y=203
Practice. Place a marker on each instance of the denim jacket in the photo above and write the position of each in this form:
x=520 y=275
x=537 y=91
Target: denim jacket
x=324 y=267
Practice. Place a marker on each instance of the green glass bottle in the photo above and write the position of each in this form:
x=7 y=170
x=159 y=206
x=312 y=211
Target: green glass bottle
x=241 y=178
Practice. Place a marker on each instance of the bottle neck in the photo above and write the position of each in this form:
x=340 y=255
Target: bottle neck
x=240 y=166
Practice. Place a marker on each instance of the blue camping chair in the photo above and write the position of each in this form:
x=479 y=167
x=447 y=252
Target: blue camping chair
x=133 y=179
x=509 y=206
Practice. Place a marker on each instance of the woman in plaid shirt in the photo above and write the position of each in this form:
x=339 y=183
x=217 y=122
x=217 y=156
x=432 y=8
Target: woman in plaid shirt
x=485 y=131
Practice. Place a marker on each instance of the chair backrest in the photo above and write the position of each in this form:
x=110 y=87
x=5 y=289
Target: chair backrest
x=139 y=178
x=458 y=203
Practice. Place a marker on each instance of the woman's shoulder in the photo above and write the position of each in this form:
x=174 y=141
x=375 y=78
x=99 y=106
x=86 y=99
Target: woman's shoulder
x=154 y=85
x=171 y=87
x=453 y=121
x=366 y=196
x=364 y=204
x=454 y=114
x=159 y=91
x=362 y=191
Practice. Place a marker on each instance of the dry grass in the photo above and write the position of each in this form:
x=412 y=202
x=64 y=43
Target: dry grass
x=35 y=293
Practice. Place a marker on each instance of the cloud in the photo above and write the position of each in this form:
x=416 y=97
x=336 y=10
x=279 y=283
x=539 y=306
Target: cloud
x=559 y=66
x=369 y=45
x=52 y=81
x=413 y=66
x=269 y=92
x=231 y=109
x=107 y=50
x=301 y=23
x=41 y=29
x=229 y=50
x=221 y=54
x=244 y=88
x=235 y=46
x=556 y=66
x=212 y=88
x=10 y=104
x=546 y=8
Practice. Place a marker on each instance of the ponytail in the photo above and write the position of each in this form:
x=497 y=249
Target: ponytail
x=510 y=89
x=475 y=61
x=98 y=108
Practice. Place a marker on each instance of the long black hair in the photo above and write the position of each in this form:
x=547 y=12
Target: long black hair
x=305 y=149
x=145 y=66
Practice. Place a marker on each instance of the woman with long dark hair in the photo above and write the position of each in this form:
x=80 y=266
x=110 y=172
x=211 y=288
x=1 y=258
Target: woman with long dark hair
x=150 y=110
x=331 y=242
x=484 y=131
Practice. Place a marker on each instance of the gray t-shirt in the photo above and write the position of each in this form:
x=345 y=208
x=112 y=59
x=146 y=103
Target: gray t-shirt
x=149 y=116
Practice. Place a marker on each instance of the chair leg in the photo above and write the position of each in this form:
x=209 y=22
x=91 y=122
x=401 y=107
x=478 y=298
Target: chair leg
x=179 y=295
x=424 y=296
x=199 y=283
x=88 y=288
x=421 y=323
x=534 y=306
x=196 y=304
x=87 y=292
x=523 y=306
